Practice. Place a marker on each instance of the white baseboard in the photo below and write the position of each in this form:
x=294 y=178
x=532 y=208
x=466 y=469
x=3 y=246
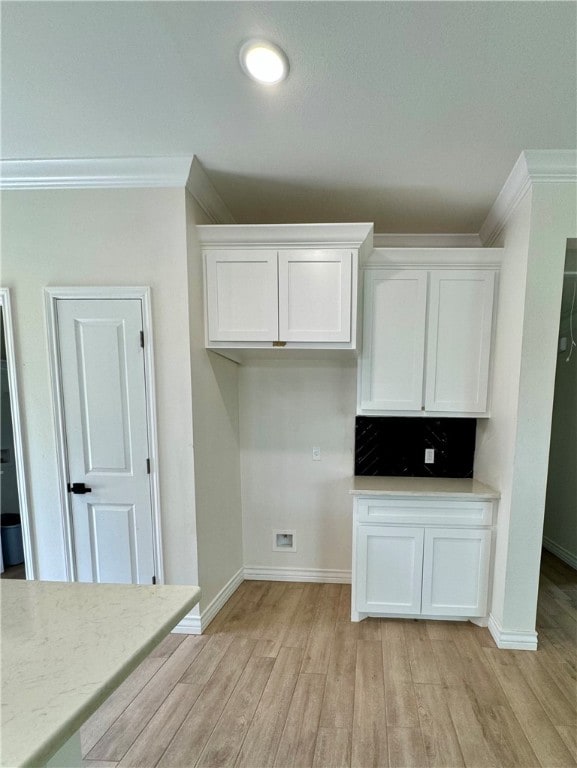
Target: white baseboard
x=560 y=552
x=260 y=573
x=189 y=625
x=195 y=623
x=513 y=640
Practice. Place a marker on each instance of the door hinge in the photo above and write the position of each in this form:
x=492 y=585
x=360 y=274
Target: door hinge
x=154 y=579
x=142 y=339
x=147 y=466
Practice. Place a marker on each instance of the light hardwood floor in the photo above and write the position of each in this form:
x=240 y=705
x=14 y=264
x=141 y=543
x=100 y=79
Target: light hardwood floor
x=283 y=678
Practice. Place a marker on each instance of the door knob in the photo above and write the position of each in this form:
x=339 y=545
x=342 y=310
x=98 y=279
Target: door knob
x=78 y=488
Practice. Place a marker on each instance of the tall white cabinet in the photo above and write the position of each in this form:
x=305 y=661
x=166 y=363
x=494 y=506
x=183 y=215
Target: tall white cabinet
x=427 y=333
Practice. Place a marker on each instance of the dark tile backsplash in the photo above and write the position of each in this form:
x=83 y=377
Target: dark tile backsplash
x=395 y=445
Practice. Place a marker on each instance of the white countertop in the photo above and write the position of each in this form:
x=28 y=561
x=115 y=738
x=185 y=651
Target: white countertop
x=422 y=486
x=66 y=647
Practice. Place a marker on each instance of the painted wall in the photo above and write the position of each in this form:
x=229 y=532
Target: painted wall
x=513 y=446
x=216 y=438
x=103 y=237
x=287 y=407
x=495 y=447
x=560 y=531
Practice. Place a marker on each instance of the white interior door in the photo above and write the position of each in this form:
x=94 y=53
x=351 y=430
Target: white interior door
x=105 y=419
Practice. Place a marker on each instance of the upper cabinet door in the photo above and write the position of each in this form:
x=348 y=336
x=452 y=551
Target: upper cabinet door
x=459 y=340
x=315 y=295
x=395 y=304
x=242 y=295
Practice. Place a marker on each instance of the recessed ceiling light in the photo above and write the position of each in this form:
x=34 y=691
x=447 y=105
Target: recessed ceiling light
x=264 y=62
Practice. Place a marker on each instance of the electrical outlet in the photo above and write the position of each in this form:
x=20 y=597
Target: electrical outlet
x=429 y=455
x=316 y=454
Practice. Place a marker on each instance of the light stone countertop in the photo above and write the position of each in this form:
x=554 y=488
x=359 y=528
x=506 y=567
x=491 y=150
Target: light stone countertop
x=66 y=647
x=422 y=486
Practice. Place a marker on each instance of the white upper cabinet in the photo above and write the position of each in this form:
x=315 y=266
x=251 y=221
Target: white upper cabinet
x=241 y=289
x=314 y=295
x=426 y=341
x=393 y=339
x=292 y=286
x=459 y=340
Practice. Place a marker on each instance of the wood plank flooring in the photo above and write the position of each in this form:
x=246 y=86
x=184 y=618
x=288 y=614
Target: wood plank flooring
x=283 y=679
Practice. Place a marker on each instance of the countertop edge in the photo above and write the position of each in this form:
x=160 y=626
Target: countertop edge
x=45 y=751
x=491 y=495
x=405 y=486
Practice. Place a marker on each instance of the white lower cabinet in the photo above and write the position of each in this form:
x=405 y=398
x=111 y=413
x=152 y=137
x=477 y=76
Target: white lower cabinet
x=421 y=570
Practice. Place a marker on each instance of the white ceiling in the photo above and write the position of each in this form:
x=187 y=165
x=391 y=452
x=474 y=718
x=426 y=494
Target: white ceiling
x=407 y=114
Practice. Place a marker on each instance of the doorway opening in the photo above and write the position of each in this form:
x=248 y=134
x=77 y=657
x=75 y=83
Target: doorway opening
x=16 y=559
x=560 y=525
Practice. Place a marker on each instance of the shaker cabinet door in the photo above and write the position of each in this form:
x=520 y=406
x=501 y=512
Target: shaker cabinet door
x=314 y=291
x=389 y=566
x=456 y=571
x=460 y=320
x=393 y=340
x=242 y=295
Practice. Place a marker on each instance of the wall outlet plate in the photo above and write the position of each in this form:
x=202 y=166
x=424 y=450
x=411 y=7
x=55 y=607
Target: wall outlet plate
x=429 y=455
x=284 y=541
x=316 y=454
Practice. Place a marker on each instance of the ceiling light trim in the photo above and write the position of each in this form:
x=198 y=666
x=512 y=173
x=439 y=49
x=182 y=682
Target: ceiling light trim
x=282 y=58
x=533 y=166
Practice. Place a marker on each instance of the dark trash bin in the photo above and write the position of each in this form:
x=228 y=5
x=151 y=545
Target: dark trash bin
x=11 y=531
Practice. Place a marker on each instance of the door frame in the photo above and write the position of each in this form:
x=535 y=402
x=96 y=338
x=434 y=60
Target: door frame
x=29 y=559
x=143 y=293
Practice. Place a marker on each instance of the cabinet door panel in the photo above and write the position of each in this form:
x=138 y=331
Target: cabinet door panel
x=389 y=569
x=315 y=295
x=456 y=572
x=242 y=295
x=459 y=340
x=393 y=340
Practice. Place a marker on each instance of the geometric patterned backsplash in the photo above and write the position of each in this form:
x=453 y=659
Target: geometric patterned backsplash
x=395 y=445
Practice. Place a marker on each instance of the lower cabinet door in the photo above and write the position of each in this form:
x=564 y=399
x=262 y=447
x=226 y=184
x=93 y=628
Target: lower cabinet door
x=389 y=563
x=456 y=572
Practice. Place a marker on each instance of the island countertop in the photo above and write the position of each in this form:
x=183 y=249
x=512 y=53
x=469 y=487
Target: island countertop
x=66 y=647
x=467 y=488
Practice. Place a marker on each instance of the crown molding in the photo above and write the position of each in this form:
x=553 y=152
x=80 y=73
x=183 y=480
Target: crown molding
x=532 y=167
x=401 y=240
x=203 y=191
x=117 y=173
x=298 y=235
x=439 y=257
x=95 y=172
